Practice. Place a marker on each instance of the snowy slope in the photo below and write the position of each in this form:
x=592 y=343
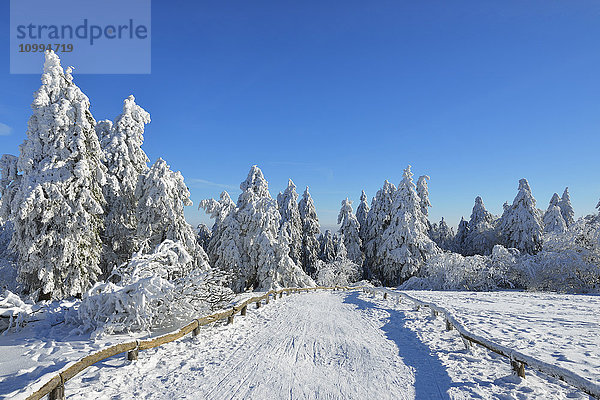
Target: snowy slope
x=558 y=329
x=326 y=345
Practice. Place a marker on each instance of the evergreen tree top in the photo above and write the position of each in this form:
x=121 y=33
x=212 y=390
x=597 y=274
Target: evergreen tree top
x=554 y=200
x=345 y=211
x=254 y=187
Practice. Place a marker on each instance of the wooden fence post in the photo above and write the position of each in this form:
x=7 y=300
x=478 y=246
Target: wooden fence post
x=243 y=310
x=467 y=344
x=518 y=368
x=58 y=393
x=267 y=299
x=448 y=325
x=196 y=330
x=230 y=320
x=385 y=296
x=280 y=295
x=258 y=304
x=132 y=355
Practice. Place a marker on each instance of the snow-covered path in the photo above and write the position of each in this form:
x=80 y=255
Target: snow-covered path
x=305 y=346
x=319 y=345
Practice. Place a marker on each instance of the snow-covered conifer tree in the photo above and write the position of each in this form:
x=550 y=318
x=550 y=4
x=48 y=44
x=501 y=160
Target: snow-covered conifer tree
x=341 y=252
x=264 y=251
x=9 y=184
x=350 y=230
x=218 y=209
x=161 y=195
x=481 y=237
x=361 y=215
x=103 y=129
x=223 y=248
x=423 y=192
x=566 y=209
x=378 y=219
x=291 y=224
x=57 y=208
x=204 y=234
x=340 y=271
x=310 y=232
x=247 y=240
x=405 y=245
x=520 y=226
x=327 y=247
x=554 y=201
x=553 y=220
x=443 y=235
x=460 y=240
x=125 y=162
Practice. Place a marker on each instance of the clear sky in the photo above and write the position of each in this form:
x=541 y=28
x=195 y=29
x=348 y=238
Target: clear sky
x=343 y=95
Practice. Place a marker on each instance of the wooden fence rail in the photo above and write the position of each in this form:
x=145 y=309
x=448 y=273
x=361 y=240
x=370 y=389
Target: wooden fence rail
x=517 y=359
x=54 y=388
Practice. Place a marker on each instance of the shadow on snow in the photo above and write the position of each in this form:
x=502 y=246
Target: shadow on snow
x=431 y=378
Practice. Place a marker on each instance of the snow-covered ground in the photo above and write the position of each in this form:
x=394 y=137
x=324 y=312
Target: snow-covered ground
x=313 y=345
x=44 y=346
x=329 y=345
x=559 y=329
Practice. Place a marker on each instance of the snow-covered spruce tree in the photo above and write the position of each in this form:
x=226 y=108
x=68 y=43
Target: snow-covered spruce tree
x=378 y=219
x=339 y=245
x=9 y=184
x=57 y=208
x=326 y=247
x=350 y=230
x=340 y=271
x=405 y=245
x=361 y=215
x=481 y=235
x=554 y=201
x=223 y=248
x=204 y=234
x=566 y=209
x=423 y=193
x=310 y=232
x=161 y=195
x=251 y=246
x=103 y=129
x=443 y=235
x=291 y=224
x=218 y=209
x=460 y=240
x=553 y=220
x=125 y=162
x=520 y=226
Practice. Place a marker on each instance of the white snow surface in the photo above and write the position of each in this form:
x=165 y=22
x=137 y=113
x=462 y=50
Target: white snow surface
x=324 y=345
x=558 y=329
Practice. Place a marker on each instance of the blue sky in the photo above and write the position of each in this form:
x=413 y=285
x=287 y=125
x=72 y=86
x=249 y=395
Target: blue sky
x=343 y=95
